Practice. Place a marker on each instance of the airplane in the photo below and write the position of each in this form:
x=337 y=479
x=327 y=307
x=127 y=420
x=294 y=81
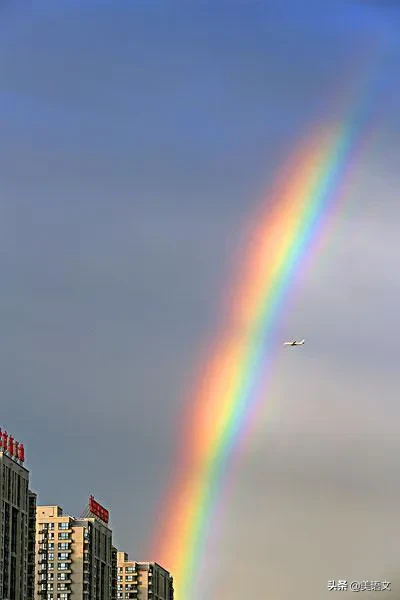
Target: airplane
x=294 y=343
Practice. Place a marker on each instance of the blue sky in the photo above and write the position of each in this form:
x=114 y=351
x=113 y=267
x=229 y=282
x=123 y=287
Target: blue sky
x=137 y=138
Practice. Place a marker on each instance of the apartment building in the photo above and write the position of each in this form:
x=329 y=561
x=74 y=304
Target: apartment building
x=74 y=556
x=16 y=534
x=142 y=580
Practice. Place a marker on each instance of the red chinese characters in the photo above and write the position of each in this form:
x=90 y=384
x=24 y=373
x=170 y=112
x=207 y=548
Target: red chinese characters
x=21 y=453
x=98 y=510
x=9 y=445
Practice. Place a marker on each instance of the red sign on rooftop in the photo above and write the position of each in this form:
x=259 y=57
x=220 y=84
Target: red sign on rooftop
x=98 y=511
x=10 y=446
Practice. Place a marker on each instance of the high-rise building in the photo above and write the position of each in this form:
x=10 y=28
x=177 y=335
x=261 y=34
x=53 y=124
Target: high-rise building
x=142 y=580
x=74 y=556
x=14 y=520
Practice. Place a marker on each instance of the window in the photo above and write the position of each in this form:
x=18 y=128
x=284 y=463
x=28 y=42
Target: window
x=51 y=536
x=129 y=577
x=50 y=556
x=51 y=546
x=62 y=555
x=130 y=569
x=62 y=596
x=64 y=525
x=62 y=566
x=63 y=535
x=63 y=546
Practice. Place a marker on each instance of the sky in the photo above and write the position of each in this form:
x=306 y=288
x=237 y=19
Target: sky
x=136 y=141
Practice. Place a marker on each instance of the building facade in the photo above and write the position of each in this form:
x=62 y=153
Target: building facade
x=142 y=580
x=114 y=572
x=73 y=556
x=15 y=532
x=31 y=545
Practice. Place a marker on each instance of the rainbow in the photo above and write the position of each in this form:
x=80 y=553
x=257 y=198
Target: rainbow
x=231 y=388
